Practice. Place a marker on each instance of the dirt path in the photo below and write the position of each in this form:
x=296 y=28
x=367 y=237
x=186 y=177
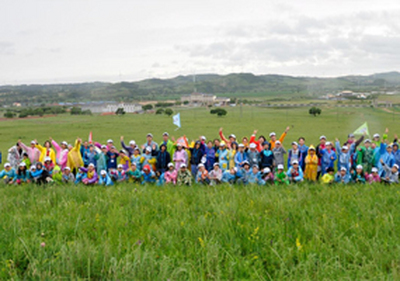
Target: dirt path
x=30 y=117
x=390 y=111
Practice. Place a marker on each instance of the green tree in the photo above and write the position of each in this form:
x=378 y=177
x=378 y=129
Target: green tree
x=219 y=111
x=314 y=111
x=147 y=107
x=160 y=111
x=185 y=102
x=120 y=111
x=76 y=111
x=9 y=114
x=169 y=111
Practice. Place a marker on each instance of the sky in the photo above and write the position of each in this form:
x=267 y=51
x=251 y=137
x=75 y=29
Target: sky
x=57 y=41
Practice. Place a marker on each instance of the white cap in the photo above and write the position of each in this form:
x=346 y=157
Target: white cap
x=280 y=167
x=272 y=134
x=178 y=144
x=22 y=164
x=132 y=142
x=245 y=162
x=343 y=169
x=149 y=135
x=253 y=145
x=148 y=149
x=235 y=169
x=279 y=142
x=295 y=143
x=120 y=166
x=64 y=143
x=295 y=162
x=183 y=165
x=133 y=164
x=137 y=148
x=322 y=137
x=266 y=170
x=216 y=164
x=222 y=143
x=345 y=147
x=256 y=166
x=104 y=147
x=70 y=146
x=374 y=169
x=103 y=172
x=33 y=168
x=170 y=165
x=33 y=142
x=67 y=168
x=203 y=138
x=110 y=140
x=47 y=158
x=396 y=166
x=200 y=165
x=328 y=143
x=241 y=145
x=367 y=140
x=376 y=136
x=165 y=134
x=359 y=167
x=7 y=165
x=232 y=136
x=91 y=165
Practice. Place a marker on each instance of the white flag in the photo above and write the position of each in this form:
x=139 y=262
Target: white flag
x=177 y=120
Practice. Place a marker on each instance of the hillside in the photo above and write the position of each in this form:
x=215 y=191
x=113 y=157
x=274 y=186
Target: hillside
x=236 y=84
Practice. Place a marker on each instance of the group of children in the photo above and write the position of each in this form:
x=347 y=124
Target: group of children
x=223 y=160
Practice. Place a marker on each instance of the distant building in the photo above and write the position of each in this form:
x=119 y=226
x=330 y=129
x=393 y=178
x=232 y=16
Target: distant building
x=112 y=107
x=346 y=94
x=204 y=99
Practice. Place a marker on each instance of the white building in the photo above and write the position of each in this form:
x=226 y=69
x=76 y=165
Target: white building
x=204 y=99
x=112 y=107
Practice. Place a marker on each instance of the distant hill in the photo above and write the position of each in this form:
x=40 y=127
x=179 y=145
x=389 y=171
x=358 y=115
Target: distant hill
x=245 y=85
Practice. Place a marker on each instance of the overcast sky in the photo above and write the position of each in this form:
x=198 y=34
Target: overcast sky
x=57 y=41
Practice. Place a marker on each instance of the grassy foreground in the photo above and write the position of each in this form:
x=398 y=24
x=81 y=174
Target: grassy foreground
x=179 y=233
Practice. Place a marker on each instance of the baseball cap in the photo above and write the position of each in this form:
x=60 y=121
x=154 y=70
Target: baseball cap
x=183 y=165
x=149 y=135
x=253 y=145
x=376 y=136
x=148 y=149
x=374 y=169
x=132 y=142
x=280 y=167
x=295 y=162
x=272 y=134
x=110 y=141
x=232 y=136
x=267 y=170
x=322 y=137
x=200 y=165
x=120 y=166
x=359 y=167
x=103 y=172
x=170 y=165
x=165 y=134
x=241 y=145
x=47 y=158
x=343 y=169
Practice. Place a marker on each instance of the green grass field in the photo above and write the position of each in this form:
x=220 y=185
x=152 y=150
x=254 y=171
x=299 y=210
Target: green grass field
x=128 y=232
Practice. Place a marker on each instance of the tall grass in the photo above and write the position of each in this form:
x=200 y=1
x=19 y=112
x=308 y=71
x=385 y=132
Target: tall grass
x=132 y=232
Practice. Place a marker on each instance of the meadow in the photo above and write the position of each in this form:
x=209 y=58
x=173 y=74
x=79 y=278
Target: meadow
x=129 y=232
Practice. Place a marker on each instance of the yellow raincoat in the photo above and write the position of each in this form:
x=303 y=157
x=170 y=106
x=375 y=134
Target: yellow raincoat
x=43 y=154
x=74 y=157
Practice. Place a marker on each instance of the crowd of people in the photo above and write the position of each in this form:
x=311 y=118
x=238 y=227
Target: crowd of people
x=254 y=160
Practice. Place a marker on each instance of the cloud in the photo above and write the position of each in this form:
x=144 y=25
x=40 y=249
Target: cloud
x=6 y=48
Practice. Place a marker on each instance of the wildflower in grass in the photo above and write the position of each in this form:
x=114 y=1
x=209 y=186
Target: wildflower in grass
x=298 y=244
x=202 y=244
x=97 y=217
x=254 y=235
x=139 y=242
x=43 y=245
